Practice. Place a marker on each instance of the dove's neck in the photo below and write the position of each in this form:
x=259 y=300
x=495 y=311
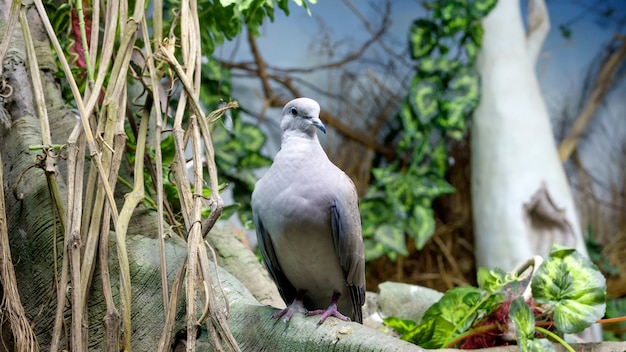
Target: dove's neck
x=301 y=143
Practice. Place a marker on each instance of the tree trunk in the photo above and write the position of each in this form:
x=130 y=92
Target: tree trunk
x=521 y=198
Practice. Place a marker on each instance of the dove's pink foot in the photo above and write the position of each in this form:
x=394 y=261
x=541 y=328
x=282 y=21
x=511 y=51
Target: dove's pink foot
x=296 y=306
x=330 y=311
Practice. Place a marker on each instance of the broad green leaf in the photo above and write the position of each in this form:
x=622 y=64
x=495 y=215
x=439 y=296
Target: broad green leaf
x=431 y=333
x=439 y=160
x=399 y=325
x=423 y=98
x=453 y=314
x=391 y=237
x=422 y=38
x=401 y=195
x=461 y=98
x=573 y=287
x=454 y=15
x=421 y=225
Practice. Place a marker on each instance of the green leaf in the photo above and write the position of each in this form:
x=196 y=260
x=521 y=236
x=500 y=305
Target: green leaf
x=421 y=225
x=439 y=161
x=493 y=280
x=422 y=38
x=399 y=325
x=461 y=98
x=476 y=33
x=573 y=287
x=375 y=250
x=481 y=8
x=497 y=280
x=423 y=97
x=452 y=315
x=391 y=237
x=471 y=51
x=431 y=333
x=524 y=321
x=251 y=136
x=454 y=16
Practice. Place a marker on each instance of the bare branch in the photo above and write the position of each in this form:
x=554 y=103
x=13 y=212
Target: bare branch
x=603 y=82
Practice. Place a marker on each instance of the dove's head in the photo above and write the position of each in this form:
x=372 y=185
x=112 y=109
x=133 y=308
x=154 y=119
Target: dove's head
x=302 y=114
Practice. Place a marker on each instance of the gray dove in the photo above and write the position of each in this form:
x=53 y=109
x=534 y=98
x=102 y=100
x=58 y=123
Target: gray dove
x=308 y=224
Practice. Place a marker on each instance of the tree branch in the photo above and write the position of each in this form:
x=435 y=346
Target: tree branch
x=603 y=82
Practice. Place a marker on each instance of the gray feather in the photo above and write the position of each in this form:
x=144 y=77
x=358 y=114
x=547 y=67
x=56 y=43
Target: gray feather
x=307 y=218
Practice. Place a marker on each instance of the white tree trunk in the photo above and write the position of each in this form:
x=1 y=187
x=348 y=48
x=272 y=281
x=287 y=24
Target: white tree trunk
x=521 y=198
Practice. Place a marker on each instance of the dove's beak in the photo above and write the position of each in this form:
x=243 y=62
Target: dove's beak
x=318 y=123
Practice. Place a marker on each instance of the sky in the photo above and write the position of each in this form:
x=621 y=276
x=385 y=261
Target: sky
x=290 y=41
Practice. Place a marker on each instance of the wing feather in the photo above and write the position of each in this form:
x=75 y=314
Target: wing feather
x=346 y=228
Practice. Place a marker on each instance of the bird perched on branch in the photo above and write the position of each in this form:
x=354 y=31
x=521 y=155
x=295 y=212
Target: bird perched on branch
x=308 y=224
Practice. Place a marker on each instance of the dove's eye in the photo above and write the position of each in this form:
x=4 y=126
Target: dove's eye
x=294 y=111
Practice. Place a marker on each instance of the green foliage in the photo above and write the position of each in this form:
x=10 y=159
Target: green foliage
x=572 y=288
x=224 y=19
x=524 y=321
x=568 y=292
x=237 y=144
x=455 y=312
x=442 y=95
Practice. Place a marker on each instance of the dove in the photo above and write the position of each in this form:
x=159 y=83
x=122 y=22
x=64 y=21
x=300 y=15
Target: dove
x=308 y=225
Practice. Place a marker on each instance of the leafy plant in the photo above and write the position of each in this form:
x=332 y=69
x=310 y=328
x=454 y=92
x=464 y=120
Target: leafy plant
x=443 y=93
x=568 y=295
x=237 y=144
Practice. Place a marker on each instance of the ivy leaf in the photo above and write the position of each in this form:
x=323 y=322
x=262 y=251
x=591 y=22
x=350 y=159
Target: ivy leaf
x=461 y=97
x=391 y=237
x=423 y=98
x=453 y=16
x=439 y=161
x=421 y=225
x=573 y=287
x=422 y=38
